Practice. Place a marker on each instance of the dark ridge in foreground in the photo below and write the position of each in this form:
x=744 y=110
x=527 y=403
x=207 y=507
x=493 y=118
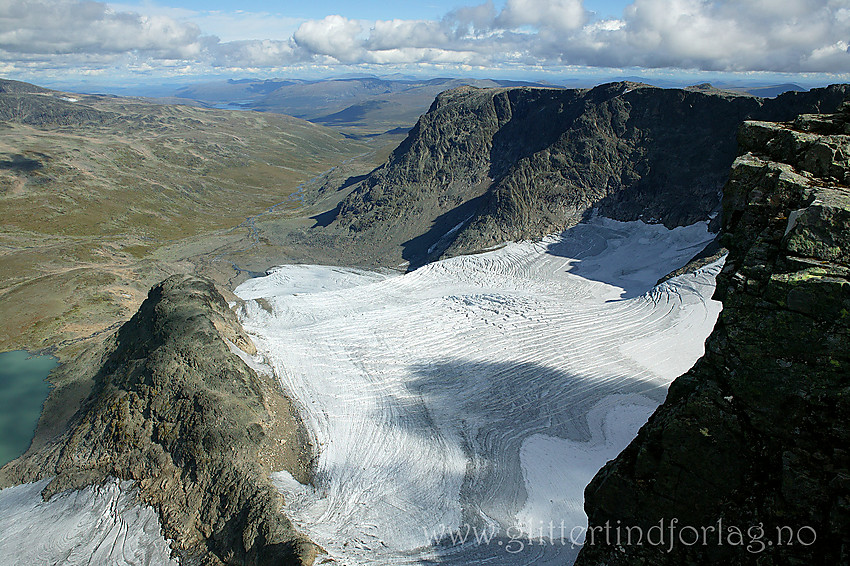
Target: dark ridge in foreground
x=755 y=437
x=485 y=166
x=174 y=409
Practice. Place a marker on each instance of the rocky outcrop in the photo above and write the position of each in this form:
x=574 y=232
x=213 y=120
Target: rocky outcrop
x=755 y=436
x=173 y=408
x=49 y=108
x=513 y=163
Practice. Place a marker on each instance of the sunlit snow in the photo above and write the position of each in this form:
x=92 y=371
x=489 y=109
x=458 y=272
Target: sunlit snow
x=98 y=525
x=478 y=394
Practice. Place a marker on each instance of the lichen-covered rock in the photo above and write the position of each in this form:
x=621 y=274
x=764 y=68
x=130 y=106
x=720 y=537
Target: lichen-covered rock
x=514 y=163
x=757 y=434
x=175 y=410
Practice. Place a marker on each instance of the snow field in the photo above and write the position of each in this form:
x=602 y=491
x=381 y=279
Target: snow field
x=480 y=392
x=96 y=526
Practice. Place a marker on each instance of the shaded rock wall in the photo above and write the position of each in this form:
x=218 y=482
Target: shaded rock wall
x=757 y=434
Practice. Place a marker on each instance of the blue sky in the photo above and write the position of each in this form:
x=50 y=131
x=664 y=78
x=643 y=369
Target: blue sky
x=49 y=41
x=370 y=10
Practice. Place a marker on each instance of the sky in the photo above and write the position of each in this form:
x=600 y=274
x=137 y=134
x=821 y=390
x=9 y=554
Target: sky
x=54 y=41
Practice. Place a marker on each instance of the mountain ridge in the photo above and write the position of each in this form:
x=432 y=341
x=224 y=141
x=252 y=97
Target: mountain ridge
x=171 y=407
x=504 y=164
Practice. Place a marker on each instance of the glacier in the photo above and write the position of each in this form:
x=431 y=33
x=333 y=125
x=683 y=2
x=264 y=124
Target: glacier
x=478 y=394
x=95 y=526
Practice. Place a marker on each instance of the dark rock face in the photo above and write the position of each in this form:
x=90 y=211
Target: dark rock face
x=174 y=409
x=514 y=163
x=756 y=435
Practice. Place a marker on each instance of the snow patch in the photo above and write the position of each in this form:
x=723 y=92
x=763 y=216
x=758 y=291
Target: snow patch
x=446 y=238
x=96 y=525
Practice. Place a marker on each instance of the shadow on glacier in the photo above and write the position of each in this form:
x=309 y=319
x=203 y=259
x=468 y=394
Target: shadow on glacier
x=439 y=236
x=614 y=255
x=496 y=405
x=506 y=551
x=491 y=408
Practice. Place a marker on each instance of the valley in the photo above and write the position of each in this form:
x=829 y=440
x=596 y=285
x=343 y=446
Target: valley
x=284 y=342
x=103 y=196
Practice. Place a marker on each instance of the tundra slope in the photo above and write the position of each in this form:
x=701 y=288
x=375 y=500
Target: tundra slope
x=756 y=434
x=102 y=197
x=506 y=164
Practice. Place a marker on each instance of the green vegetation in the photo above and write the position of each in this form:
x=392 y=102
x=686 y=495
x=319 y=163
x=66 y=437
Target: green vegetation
x=92 y=187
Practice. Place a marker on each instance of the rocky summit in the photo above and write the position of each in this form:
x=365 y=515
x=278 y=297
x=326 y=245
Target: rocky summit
x=486 y=166
x=747 y=461
x=172 y=408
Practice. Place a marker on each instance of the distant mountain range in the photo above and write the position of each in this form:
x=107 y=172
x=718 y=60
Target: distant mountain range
x=371 y=105
x=362 y=105
x=365 y=104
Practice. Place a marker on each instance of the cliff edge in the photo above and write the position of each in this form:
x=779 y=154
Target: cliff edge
x=747 y=461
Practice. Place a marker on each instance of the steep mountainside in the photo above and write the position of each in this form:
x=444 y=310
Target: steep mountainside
x=756 y=434
x=484 y=166
x=173 y=409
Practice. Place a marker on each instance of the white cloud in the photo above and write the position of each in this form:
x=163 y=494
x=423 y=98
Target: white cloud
x=400 y=34
x=256 y=53
x=558 y=14
x=69 y=26
x=467 y=18
x=718 y=35
x=334 y=36
x=732 y=35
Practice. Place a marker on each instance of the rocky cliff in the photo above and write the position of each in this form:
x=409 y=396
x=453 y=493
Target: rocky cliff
x=173 y=408
x=749 y=457
x=484 y=166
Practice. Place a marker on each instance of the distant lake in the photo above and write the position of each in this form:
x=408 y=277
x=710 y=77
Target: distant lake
x=23 y=390
x=235 y=105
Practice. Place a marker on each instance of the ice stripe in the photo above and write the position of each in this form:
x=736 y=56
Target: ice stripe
x=482 y=391
x=95 y=526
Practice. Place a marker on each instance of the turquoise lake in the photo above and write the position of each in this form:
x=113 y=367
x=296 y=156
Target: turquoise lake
x=23 y=390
